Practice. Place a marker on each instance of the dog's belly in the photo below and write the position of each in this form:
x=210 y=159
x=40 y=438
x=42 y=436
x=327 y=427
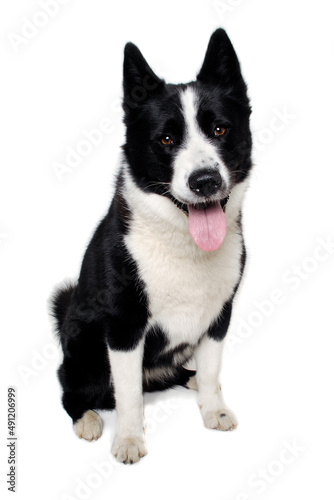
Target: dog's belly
x=186 y=287
x=158 y=351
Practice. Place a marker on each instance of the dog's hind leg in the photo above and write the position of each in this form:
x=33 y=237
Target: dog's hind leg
x=87 y=423
x=89 y=426
x=85 y=378
x=162 y=378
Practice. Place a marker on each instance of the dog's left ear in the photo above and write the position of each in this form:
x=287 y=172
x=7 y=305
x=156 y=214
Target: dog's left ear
x=139 y=80
x=220 y=62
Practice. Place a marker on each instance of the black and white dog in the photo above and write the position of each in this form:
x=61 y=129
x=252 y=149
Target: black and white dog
x=159 y=276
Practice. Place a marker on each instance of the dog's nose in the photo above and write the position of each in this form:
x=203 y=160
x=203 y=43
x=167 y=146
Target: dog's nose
x=205 y=182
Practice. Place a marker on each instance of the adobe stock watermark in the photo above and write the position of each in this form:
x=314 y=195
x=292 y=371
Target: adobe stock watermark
x=157 y=413
x=85 y=487
x=87 y=310
x=280 y=120
x=266 y=475
x=223 y=7
x=292 y=279
x=91 y=139
x=40 y=359
x=3 y=237
x=31 y=28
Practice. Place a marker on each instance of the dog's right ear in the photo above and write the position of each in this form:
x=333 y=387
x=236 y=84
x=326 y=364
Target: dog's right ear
x=139 y=80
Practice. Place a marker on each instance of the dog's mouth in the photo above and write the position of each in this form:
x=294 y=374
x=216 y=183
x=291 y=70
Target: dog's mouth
x=206 y=222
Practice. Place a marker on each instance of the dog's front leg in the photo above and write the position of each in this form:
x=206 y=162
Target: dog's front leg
x=208 y=356
x=126 y=368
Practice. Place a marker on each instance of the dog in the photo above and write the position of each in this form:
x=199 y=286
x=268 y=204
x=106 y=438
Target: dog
x=159 y=276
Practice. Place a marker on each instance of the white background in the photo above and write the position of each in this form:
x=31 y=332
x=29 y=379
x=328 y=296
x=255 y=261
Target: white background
x=278 y=362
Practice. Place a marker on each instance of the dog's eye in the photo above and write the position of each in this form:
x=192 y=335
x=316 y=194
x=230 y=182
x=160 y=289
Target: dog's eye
x=220 y=130
x=166 y=140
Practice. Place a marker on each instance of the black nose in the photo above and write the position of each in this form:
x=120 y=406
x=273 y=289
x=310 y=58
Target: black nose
x=205 y=182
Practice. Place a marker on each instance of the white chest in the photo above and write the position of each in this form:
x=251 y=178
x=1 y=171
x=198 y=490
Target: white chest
x=186 y=287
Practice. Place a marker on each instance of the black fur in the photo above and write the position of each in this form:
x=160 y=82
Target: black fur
x=60 y=303
x=109 y=305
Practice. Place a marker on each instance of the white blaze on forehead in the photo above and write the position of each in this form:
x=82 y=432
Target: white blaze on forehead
x=197 y=151
x=189 y=102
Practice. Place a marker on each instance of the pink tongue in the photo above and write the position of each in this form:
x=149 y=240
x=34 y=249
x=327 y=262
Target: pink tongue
x=207 y=226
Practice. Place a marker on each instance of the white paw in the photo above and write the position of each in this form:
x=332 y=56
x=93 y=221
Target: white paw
x=89 y=426
x=222 y=420
x=129 y=450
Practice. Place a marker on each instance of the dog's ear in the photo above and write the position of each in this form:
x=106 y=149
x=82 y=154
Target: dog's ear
x=220 y=63
x=139 y=80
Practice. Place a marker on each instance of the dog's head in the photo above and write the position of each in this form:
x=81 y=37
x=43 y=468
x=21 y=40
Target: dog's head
x=189 y=142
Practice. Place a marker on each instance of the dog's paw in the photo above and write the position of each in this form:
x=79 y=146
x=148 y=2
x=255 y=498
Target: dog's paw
x=128 y=450
x=222 y=420
x=89 y=426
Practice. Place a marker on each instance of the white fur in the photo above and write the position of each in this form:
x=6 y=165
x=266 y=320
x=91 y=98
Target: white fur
x=208 y=357
x=186 y=287
x=89 y=426
x=129 y=449
x=197 y=152
x=126 y=373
